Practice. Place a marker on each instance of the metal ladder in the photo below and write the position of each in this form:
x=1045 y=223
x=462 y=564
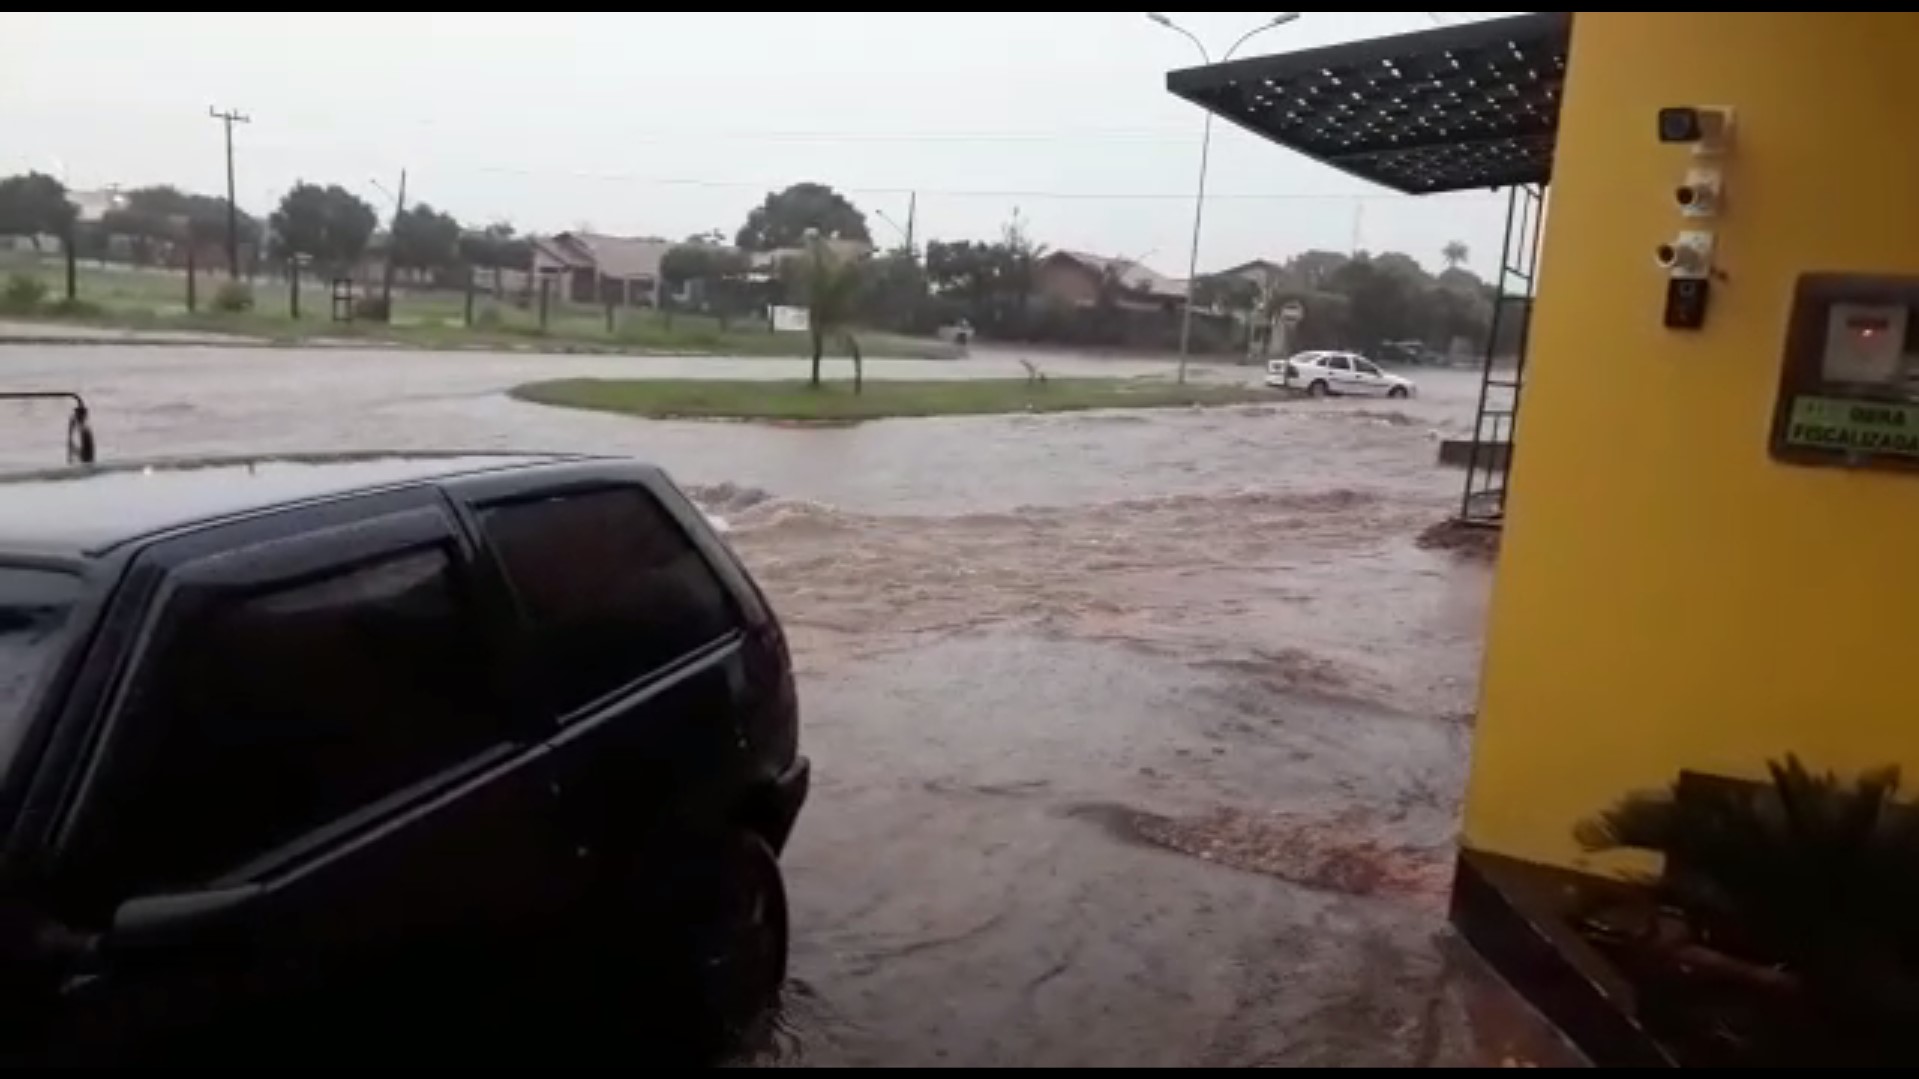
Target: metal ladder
x=1495 y=431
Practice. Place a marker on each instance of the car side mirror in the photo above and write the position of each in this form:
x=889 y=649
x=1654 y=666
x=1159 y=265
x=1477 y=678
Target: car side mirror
x=81 y=448
x=174 y=921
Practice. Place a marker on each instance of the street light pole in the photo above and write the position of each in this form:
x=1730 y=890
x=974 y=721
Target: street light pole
x=1205 y=170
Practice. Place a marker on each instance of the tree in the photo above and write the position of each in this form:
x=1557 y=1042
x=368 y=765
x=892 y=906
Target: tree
x=329 y=225
x=994 y=280
x=1241 y=297
x=35 y=205
x=894 y=293
x=965 y=269
x=787 y=218
x=690 y=263
x=1388 y=297
x=707 y=271
x=1457 y=254
x=1230 y=295
x=425 y=239
x=830 y=287
x=1310 y=270
x=1021 y=258
x=498 y=248
x=165 y=214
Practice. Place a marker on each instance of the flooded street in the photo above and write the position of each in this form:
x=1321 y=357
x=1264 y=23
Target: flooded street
x=1140 y=738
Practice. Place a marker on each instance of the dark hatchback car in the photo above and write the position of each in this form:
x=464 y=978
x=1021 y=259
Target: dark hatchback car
x=467 y=758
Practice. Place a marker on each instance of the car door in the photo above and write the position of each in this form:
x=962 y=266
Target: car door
x=633 y=647
x=1369 y=380
x=312 y=828
x=1339 y=375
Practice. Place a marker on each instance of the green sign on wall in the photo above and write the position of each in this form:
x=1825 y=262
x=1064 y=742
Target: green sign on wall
x=1861 y=427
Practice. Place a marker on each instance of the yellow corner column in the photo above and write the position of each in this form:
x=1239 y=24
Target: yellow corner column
x=1669 y=597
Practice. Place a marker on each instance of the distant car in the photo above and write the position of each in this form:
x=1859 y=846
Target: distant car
x=1337 y=374
x=1412 y=354
x=383 y=756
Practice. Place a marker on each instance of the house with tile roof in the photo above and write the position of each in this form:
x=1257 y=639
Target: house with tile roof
x=589 y=268
x=1077 y=279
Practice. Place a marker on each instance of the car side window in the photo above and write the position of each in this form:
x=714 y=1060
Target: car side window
x=1365 y=368
x=1339 y=363
x=270 y=716
x=611 y=589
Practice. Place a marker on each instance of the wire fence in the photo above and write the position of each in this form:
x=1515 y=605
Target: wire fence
x=480 y=304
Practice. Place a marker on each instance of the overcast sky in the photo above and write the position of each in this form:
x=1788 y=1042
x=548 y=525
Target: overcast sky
x=672 y=123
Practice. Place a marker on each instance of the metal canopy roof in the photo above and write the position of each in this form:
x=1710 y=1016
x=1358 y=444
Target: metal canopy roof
x=1473 y=106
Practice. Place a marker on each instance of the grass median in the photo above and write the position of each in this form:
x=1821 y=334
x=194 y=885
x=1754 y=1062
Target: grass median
x=798 y=402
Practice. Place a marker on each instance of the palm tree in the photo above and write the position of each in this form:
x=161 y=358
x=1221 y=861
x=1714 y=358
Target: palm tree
x=831 y=285
x=1457 y=254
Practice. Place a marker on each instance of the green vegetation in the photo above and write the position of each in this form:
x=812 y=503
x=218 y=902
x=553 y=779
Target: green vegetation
x=800 y=402
x=22 y=294
x=330 y=226
x=831 y=287
x=792 y=217
x=806 y=246
x=125 y=298
x=234 y=298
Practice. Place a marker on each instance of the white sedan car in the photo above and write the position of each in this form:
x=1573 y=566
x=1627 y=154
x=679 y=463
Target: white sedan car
x=1337 y=374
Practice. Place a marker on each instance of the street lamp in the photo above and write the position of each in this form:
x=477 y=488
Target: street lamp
x=1205 y=166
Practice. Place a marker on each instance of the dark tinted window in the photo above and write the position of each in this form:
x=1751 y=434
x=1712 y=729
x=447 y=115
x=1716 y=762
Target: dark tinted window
x=270 y=716
x=33 y=609
x=1339 y=363
x=611 y=588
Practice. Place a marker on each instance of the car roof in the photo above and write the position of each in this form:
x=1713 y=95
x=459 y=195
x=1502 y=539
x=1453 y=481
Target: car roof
x=87 y=512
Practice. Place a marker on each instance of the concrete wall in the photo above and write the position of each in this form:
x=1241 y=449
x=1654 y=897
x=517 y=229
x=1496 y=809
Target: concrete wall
x=1679 y=600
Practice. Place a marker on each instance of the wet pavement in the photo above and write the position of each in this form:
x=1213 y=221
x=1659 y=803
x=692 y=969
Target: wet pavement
x=1140 y=737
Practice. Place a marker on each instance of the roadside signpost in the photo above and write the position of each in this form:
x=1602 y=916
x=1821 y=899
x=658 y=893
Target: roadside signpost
x=1291 y=318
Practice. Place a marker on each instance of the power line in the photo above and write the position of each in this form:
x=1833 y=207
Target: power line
x=953 y=193
x=911 y=190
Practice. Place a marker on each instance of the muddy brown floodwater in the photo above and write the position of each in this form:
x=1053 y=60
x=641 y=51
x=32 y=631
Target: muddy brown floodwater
x=1140 y=738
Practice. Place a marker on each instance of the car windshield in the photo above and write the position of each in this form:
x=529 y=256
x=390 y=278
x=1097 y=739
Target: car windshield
x=34 y=605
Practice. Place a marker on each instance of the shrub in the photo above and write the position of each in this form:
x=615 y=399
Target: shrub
x=233 y=298
x=1813 y=877
x=77 y=309
x=491 y=318
x=371 y=309
x=23 y=293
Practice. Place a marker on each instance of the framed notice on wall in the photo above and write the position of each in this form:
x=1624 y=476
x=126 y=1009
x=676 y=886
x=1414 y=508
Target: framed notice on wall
x=1850 y=394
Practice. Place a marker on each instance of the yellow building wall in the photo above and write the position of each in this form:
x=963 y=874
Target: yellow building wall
x=1670 y=597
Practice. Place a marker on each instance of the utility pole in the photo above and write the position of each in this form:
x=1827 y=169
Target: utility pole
x=393 y=242
x=912 y=224
x=229 y=118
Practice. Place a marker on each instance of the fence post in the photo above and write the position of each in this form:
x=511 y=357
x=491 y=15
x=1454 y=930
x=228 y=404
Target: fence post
x=193 y=282
x=469 y=297
x=546 y=298
x=609 y=320
x=73 y=265
x=293 y=287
